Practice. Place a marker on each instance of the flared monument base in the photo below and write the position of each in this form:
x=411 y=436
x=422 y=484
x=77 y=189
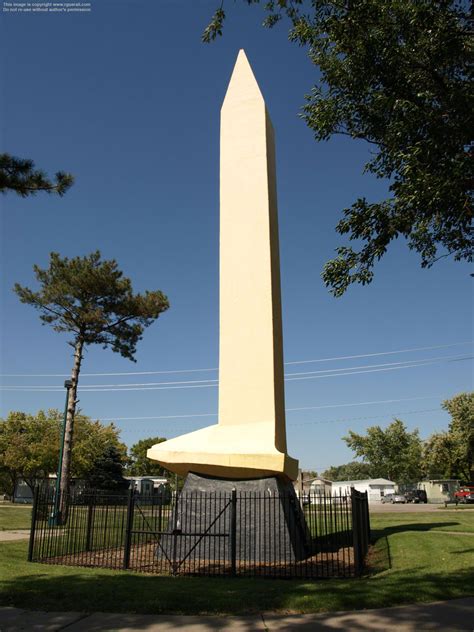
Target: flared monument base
x=264 y=514
x=236 y=452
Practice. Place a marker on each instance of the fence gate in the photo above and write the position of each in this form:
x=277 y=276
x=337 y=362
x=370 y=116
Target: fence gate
x=194 y=534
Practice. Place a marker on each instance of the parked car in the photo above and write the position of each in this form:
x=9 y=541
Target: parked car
x=416 y=496
x=304 y=498
x=465 y=494
x=393 y=498
x=398 y=498
x=422 y=495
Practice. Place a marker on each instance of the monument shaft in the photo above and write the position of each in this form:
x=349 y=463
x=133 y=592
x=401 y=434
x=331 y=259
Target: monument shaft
x=251 y=350
x=249 y=440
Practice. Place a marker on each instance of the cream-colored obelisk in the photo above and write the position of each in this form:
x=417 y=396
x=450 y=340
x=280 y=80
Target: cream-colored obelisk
x=249 y=440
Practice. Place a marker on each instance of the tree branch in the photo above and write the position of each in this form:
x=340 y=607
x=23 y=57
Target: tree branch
x=58 y=314
x=119 y=322
x=448 y=254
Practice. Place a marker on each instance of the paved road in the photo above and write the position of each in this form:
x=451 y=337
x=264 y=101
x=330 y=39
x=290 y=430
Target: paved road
x=457 y=614
x=413 y=508
x=16 y=534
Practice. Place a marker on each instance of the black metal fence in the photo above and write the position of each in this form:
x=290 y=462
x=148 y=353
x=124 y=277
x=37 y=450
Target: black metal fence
x=235 y=534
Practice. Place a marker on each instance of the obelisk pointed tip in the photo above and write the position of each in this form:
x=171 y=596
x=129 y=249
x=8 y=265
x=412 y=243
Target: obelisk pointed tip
x=242 y=85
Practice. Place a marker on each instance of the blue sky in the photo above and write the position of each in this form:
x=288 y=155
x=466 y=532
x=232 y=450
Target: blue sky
x=127 y=99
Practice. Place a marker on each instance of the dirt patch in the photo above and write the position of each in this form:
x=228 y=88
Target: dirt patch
x=143 y=559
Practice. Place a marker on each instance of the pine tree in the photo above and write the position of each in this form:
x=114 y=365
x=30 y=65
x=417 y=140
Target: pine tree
x=20 y=175
x=92 y=300
x=107 y=473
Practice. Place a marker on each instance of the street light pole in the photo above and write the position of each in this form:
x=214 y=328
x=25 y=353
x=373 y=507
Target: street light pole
x=55 y=518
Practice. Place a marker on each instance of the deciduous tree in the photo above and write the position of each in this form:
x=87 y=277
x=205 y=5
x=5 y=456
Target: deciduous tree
x=140 y=464
x=91 y=439
x=90 y=299
x=398 y=75
x=451 y=454
x=392 y=453
x=353 y=471
x=29 y=446
x=437 y=460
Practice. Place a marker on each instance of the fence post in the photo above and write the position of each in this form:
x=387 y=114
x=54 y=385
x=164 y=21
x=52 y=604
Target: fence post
x=160 y=515
x=128 y=528
x=365 y=508
x=34 y=514
x=90 y=512
x=233 y=533
x=363 y=529
x=176 y=529
x=355 y=530
x=368 y=517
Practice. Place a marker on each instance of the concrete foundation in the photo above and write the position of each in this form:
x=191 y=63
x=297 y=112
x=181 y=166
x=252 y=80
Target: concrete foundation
x=265 y=516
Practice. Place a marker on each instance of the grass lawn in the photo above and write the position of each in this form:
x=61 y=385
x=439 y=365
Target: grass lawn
x=468 y=506
x=12 y=517
x=412 y=560
x=449 y=521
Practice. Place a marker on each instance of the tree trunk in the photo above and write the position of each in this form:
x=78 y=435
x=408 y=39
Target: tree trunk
x=14 y=479
x=31 y=482
x=68 y=435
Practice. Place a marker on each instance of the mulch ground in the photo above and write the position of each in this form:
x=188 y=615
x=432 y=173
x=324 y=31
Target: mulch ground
x=143 y=559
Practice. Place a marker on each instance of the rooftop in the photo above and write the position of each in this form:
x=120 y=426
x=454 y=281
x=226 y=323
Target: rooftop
x=369 y=481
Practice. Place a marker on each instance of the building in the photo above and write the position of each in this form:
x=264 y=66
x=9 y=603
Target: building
x=439 y=490
x=320 y=487
x=303 y=483
x=23 y=492
x=147 y=484
x=376 y=488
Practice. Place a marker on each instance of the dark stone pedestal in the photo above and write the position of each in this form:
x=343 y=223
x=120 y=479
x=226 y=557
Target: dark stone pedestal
x=261 y=522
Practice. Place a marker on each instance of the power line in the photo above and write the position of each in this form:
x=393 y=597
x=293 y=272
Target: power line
x=380 y=401
x=327 y=421
x=288 y=410
x=393 y=368
x=214 y=383
x=124 y=386
x=350 y=357
x=381 y=353
x=159 y=417
x=373 y=366
x=346 y=419
x=84 y=389
x=288 y=376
